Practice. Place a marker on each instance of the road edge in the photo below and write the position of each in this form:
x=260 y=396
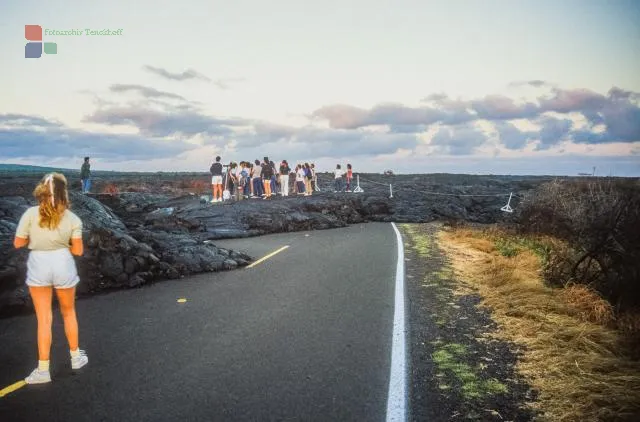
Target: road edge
x=397 y=396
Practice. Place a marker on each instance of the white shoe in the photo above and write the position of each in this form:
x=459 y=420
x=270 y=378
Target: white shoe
x=38 y=377
x=80 y=360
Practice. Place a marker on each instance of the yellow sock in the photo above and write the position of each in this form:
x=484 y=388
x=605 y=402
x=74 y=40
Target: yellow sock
x=43 y=365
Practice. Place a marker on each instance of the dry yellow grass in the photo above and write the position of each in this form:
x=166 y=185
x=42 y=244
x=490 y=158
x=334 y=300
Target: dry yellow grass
x=570 y=354
x=588 y=304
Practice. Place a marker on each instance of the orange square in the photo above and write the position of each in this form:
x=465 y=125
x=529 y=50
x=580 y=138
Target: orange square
x=33 y=32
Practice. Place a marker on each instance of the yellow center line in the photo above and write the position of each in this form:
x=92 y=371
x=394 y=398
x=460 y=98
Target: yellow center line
x=264 y=258
x=12 y=388
x=20 y=384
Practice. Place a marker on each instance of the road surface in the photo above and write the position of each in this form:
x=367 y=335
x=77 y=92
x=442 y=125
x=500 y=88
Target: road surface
x=304 y=335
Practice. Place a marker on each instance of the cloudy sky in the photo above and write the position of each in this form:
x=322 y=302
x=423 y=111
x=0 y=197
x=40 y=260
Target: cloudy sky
x=420 y=86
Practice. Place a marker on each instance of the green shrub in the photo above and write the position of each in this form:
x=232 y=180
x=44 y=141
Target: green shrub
x=506 y=247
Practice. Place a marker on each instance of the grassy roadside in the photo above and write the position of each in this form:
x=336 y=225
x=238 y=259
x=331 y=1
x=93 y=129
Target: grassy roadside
x=459 y=372
x=570 y=353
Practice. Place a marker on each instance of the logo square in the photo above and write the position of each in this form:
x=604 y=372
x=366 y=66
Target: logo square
x=50 y=48
x=33 y=32
x=33 y=50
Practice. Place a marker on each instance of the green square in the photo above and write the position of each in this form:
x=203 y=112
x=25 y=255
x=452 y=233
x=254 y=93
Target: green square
x=50 y=48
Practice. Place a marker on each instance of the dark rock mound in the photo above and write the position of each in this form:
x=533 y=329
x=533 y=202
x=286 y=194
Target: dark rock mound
x=114 y=256
x=257 y=217
x=163 y=230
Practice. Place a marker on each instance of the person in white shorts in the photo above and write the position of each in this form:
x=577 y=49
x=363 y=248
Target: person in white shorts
x=53 y=235
x=216 y=180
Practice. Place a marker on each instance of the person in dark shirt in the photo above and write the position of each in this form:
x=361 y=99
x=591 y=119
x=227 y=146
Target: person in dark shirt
x=267 y=172
x=308 y=175
x=231 y=181
x=85 y=175
x=216 y=180
x=274 y=179
x=284 y=178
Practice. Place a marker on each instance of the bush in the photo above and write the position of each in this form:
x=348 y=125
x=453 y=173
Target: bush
x=588 y=304
x=197 y=186
x=111 y=189
x=599 y=219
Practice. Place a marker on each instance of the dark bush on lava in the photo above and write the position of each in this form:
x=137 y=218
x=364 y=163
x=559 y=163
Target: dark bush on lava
x=600 y=221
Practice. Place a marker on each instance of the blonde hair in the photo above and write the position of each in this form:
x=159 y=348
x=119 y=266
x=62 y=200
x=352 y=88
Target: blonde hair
x=53 y=198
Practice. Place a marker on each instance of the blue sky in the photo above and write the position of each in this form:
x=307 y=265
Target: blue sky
x=536 y=87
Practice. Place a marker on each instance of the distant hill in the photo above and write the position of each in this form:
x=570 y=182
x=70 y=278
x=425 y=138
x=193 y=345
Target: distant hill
x=20 y=168
x=31 y=169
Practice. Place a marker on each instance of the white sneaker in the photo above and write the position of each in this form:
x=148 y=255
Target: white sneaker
x=80 y=360
x=38 y=377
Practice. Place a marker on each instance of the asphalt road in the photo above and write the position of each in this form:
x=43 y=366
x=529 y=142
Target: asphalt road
x=305 y=335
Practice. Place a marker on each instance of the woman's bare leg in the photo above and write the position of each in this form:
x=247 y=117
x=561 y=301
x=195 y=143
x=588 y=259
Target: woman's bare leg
x=67 y=300
x=42 y=297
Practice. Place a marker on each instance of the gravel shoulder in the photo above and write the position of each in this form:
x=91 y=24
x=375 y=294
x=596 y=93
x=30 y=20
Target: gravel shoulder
x=458 y=372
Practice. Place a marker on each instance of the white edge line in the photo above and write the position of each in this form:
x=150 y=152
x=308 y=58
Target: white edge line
x=397 y=397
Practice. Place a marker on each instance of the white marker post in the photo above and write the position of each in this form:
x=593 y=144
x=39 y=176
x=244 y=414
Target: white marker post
x=358 y=189
x=390 y=191
x=507 y=208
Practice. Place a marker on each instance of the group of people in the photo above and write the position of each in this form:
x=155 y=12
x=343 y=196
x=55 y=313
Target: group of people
x=263 y=179
x=53 y=234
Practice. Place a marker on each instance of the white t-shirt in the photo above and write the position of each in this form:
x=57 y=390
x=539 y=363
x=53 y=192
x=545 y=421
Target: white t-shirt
x=43 y=239
x=338 y=173
x=257 y=171
x=300 y=175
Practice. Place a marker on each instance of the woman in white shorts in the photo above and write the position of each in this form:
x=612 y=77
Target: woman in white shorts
x=53 y=235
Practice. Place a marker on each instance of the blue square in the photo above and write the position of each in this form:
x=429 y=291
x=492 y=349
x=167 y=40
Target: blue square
x=33 y=50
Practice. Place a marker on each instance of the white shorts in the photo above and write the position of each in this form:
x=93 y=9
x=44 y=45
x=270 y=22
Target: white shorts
x=216 y=180
x=52 y=268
